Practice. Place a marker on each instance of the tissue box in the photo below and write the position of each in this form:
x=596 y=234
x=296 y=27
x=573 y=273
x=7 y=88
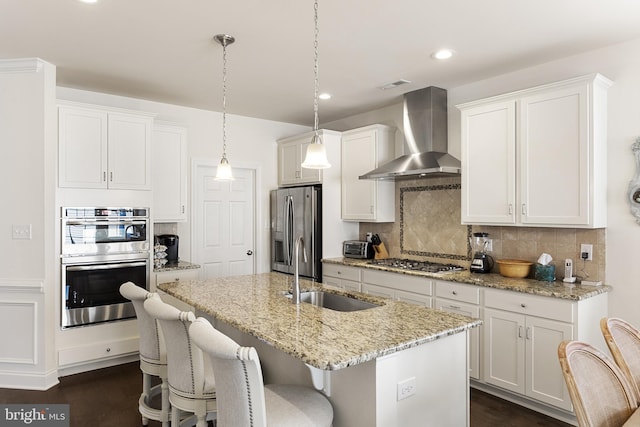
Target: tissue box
x=545 y=273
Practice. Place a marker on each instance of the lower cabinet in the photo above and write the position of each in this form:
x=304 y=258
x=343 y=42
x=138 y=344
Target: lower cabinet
x=174 y=276
x=342 y=276
x=521 y=338
x=462 y=299
x=401 y=287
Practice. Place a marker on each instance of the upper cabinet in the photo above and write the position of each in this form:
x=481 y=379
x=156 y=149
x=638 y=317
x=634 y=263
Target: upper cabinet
x=291 y=154
x=169 y=173
x=365 y=149
x=537 y=157
x=102 y=148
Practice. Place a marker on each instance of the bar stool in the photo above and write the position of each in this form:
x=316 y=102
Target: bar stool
x=192 y=387
x=244 y=400
x=153 y=360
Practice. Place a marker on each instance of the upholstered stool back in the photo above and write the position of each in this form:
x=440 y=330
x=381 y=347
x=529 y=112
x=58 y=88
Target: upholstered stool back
x=192 y=387
x=243 y=400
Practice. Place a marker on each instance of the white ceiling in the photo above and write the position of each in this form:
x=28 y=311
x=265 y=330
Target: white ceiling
x=162 y=50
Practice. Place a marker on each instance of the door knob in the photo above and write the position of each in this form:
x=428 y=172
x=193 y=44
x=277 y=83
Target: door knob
x=249 y=252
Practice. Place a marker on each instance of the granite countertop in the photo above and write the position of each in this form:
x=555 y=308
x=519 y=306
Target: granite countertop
x=320 y=337
x=555 y=289
x=180 y=265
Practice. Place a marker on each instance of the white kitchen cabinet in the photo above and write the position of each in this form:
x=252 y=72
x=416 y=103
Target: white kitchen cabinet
x=291 y=154
x=521 y=337
x=173 y=276
x=342 y=276
x=364 y=149
x=169 y=173
x=102 y=148
x=462 y=299
x=401 y=287
x=537 y=157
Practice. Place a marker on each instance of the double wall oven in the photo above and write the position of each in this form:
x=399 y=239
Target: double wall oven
x=101 y=249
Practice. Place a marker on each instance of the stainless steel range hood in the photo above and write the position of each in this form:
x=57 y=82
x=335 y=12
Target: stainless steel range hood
x=425 y=134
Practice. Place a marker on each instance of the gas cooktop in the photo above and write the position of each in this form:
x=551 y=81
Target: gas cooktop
x=408 y=264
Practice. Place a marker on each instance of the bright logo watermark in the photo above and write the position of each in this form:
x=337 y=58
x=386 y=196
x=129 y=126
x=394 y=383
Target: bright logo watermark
x=34 y=415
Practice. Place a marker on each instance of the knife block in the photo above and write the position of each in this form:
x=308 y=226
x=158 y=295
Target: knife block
x=380 y=251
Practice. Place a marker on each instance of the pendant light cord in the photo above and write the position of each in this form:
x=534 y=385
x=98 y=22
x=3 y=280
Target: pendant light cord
x=224 y=99
x=315 y=71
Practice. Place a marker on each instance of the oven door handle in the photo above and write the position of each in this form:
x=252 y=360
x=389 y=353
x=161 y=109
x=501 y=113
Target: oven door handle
x=106 y=266
x=90 y=221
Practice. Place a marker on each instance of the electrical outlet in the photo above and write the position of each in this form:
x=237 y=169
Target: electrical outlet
x=406 y=388
x=489 y=246
x=588 y=249
x=21 y=231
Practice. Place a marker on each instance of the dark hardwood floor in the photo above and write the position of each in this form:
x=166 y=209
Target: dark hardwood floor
x=109 y=397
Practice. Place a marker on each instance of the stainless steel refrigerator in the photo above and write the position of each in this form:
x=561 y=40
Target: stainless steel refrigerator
x=297 y=212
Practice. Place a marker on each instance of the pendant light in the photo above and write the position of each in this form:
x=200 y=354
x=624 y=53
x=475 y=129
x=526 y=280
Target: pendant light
x=316 y=157
x=223 y=173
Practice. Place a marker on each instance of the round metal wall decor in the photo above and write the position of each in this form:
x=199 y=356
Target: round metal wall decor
x=633 y=192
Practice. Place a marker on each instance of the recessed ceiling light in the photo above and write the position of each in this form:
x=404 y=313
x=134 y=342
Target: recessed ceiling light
x=324 y=96
x=88 y=1
x=443 y=54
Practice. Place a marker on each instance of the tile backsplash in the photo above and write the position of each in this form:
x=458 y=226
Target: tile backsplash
x=427 y=227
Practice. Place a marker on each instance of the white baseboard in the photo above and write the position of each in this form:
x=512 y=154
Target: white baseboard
x=29 y=381
x=92 y=366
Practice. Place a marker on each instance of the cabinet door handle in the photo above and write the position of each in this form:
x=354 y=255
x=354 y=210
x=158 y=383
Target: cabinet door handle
x=111 y=176
x=528 y=333
x=182 y=208
x=519 y=331
x=104 y=176
x=510 y=208
x=524 y=209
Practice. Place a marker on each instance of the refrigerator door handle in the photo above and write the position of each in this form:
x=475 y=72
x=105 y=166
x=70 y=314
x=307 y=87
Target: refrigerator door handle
x=288 y=228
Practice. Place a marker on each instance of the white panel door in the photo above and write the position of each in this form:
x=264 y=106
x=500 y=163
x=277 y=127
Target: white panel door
x=504 y=349
x=488 y=164
x=554 y=157
x=224 y=222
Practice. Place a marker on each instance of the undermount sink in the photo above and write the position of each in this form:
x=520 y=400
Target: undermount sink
x=334 y=301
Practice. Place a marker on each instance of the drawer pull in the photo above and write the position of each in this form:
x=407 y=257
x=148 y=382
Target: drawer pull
x=523 y=305
x=455 y=307
x=454 y=292
x=108 y=349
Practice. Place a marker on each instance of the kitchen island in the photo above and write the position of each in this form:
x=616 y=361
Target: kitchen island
x=393 y=365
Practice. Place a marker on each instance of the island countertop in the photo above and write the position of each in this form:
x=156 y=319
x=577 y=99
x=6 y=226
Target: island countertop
x=320 y=337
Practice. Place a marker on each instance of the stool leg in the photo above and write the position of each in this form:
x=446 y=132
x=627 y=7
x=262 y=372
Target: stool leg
x=146 y=391
x=166 y=405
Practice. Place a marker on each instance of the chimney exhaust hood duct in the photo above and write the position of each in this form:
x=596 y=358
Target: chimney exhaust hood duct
x=425 y=135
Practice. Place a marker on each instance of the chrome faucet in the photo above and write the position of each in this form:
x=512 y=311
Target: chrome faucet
x=295 y=293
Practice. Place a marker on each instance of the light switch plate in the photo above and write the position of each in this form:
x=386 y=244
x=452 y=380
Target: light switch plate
x=21 y=231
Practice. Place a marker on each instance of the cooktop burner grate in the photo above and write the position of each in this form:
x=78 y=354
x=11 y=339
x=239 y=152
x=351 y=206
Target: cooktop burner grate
x=408 y=264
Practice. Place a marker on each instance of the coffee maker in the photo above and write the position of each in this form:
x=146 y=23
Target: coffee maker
x=171 y=241
x=482 y=262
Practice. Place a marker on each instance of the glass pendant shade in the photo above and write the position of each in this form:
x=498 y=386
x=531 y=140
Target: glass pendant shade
x=223 y=173
x=316 y=157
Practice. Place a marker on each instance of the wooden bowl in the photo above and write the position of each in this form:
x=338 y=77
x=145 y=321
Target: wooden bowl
x=515 y=268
